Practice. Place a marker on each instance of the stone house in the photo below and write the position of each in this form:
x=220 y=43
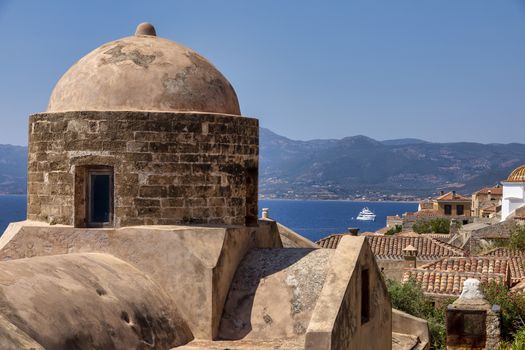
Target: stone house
x=486 y=203
x=142 y=227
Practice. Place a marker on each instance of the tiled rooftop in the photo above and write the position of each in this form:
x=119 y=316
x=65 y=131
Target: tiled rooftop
x=452 y=196
x=504 y=252
x=498 y=191
x=516 y=261
x=331 y=241
x=474 y=264
x=447 y=283
x=391 y=247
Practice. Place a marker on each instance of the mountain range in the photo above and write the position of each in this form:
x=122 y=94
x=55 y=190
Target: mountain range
x=359 y=166
x=354 y=167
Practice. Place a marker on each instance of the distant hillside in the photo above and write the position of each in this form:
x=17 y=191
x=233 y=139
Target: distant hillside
x=13 y=169
x=358 y=165
x=350 y=167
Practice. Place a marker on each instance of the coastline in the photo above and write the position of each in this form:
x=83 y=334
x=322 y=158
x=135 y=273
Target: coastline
x=335 y=200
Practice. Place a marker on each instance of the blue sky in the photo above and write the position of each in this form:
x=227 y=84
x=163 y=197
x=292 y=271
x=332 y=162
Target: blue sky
x=441 y=70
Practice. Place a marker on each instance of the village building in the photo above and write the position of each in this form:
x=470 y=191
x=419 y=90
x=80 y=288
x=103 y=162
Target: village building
x=513 y=193
x=142 y=228
x=486 y=203
x=453 y=204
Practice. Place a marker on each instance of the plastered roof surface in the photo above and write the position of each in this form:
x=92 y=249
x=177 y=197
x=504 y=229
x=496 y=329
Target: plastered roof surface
x=144 y=72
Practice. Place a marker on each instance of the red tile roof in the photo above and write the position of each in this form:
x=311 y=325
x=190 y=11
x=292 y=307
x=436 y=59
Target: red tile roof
x=452 y=196
x=447 y=283
x=516 y=261
x=475 y=264
x=391 y=247
x=498 y=191
x=331 y=241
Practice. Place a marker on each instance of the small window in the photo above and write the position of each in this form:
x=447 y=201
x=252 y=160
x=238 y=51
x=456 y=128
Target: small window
x=365 y=296
x=448 y=209
x=460 y=209
x=100 y=198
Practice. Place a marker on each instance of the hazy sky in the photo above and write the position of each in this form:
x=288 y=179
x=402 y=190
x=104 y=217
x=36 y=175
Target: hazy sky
x=441 y=70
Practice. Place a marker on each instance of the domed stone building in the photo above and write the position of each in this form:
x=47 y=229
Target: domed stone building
x=513 y=192
x=142 y=228
x=143 y=131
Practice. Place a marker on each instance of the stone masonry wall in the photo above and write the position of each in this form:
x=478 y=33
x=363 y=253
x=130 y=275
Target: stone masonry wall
x=169 y=168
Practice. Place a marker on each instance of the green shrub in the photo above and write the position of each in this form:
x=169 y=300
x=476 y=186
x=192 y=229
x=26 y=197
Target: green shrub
x=512 y=307
x=394 y=230
x=409 y=297
x=435 y=225
x=519 y=340
x=517 y=237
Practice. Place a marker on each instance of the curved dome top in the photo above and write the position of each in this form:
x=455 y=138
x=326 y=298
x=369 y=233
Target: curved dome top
x=517 y=175
x=146 y=73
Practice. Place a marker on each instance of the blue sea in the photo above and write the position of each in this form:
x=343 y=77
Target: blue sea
x=317 y=219
x=12 y=208
x=313 y=219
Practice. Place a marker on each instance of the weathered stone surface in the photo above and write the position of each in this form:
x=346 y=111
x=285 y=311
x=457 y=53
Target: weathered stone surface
x=406 y=329
x=337 y=321
x=87 y=301
x=157 y=158
x=472 y=323
x=194 y=265
x=143 y=72
x=274 y=293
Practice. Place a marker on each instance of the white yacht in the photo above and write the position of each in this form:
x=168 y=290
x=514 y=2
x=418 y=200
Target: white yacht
x=366 y=215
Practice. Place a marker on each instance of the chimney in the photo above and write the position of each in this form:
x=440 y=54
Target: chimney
x=353 y=231
x=453 y=194
x=441 y=192
x=266 y=213
x=410 y=256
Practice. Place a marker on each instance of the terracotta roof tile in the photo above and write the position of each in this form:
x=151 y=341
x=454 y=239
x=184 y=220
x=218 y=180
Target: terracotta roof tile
x=447 y=283
x=498 y=191
x=451 y=196
x=516 y=261
x=331 y=241
x=391 y=247
x=475 y=264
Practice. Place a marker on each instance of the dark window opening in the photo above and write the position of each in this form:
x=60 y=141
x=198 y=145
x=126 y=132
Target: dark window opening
x=460 y=209
x=365 y=296
x=100 y=197
x=448 y=209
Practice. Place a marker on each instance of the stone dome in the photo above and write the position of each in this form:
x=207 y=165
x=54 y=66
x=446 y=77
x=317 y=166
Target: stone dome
x=145 y=73
x=517 y=175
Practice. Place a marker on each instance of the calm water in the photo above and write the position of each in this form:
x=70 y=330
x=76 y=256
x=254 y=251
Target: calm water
x=317 y=219
x=313 y=219
x=12 y=208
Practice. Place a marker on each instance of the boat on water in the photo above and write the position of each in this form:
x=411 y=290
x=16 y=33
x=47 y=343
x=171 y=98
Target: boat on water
x=366 y=215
